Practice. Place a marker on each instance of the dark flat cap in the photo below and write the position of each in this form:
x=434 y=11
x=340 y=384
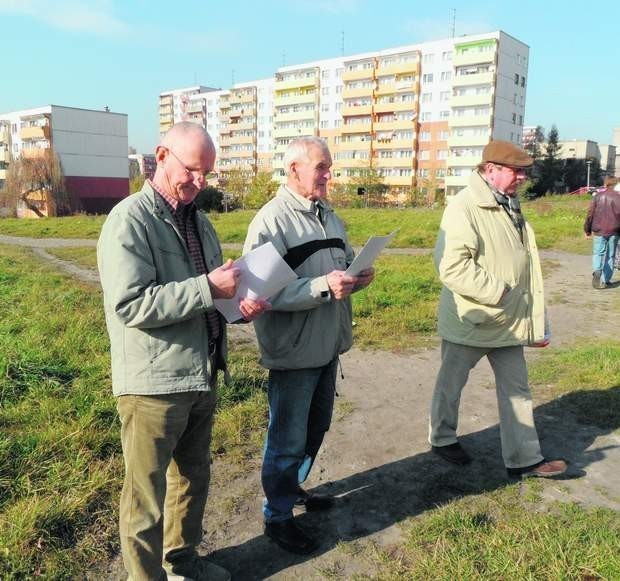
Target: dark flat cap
x=506 y=153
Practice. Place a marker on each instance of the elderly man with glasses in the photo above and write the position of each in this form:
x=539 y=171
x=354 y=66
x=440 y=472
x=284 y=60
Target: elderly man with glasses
x=492 y=304
x=161 y=268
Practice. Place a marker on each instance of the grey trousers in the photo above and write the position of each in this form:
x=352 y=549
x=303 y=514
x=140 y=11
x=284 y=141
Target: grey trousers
x=520 y=445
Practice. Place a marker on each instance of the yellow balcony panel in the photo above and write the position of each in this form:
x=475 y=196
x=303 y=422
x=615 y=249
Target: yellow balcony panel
x=463 y=161
x=166 y=100
x=223 y=117
x=471 y=100
x=468 y=141
x=393 y=143
x=4 y=136
x=356 y=128
x=357 y=92
x=295 y=116
x=356 y=145
x=243 y=126
x=356 y=162
x=243 y=154
x=243 y=98
x=358 y=74
x=224 y=130
x=292 y=132
x=242 y=139
x=392 y=125
x=470 y=120
x=163 y=127
x=457 y=181
x=356 y=110
x=398 y=180
x=295 y=83
x=399 y=162
x=387 y=89
x=473 y=58
x=399 y=68
x=2 y=174
x=5 y=156
x=309 y=98
x=389 y=107
x=26 y=133
x=476 y=79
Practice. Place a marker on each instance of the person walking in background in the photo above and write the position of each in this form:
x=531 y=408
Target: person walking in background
x=301 y=338
x=603 y=223
x=492 y=304
x=161 y=268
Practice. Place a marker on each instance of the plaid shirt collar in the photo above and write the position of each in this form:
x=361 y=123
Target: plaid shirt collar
x=173 y=204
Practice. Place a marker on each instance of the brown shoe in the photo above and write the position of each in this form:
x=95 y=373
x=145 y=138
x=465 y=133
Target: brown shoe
x=543 y=469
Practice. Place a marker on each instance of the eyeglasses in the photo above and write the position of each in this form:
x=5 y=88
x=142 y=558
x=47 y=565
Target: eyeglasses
x=195 y=173
x=515 y=170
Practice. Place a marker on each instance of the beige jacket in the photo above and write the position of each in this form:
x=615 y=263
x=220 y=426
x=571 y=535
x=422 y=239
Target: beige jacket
x=478 y=253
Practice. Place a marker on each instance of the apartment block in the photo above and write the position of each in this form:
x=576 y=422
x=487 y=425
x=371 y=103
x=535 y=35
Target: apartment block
x=418 y=115
x=91 y=146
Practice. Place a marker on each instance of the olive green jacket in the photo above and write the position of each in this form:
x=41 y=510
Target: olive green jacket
x=154 y=300
x=479 y=252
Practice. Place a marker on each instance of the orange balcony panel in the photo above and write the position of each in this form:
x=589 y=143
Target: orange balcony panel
x=356 y=110
x=42 y=132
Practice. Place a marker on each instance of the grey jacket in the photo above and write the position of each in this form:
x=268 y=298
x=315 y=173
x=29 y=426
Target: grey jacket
x=306 y=327
x=154 y=300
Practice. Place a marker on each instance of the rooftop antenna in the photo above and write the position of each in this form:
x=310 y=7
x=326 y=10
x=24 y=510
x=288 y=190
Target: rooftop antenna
x=453 y=21
x=342 y=42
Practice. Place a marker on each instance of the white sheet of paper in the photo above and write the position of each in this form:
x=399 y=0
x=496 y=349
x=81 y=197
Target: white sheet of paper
x=263 y=274
x=369 y=253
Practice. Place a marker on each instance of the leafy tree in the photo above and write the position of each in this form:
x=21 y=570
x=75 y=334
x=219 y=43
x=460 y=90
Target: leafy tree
x=261 y=190
x=237 y=183
x=136 y=183
x=38 y=182
x=549 y=169
x=210 y=199
x=372 y=182
x=534 y=145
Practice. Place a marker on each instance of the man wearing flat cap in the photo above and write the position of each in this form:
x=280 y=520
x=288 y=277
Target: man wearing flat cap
x=492 y=304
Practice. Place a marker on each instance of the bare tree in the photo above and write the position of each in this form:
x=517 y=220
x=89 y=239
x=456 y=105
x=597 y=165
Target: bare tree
x=38 y=182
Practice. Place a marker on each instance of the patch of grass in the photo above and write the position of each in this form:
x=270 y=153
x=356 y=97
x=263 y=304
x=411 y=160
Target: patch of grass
x=494 y=536
x=80 y=226
x=398 y=310
x=60 y=458
x=83 y=256
x=587 y=376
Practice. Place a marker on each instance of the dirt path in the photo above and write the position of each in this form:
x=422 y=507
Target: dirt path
x=376 y=458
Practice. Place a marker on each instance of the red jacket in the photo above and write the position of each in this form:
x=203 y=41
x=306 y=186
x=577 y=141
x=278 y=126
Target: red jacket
x=603 y=217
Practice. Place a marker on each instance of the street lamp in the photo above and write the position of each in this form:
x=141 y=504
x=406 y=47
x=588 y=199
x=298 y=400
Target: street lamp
x=588 y=163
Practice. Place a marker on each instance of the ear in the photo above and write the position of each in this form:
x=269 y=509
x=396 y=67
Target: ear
x=161 y=153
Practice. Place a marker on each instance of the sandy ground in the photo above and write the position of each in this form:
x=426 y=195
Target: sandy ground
x=377 y=461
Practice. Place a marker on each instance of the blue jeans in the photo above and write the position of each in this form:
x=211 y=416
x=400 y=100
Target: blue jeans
x=301 y=402
x=603 y=253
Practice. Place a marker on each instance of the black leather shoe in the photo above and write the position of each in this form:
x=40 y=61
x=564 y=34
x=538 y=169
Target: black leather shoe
x=453 y=453
x=290 y=537
x=314 y=502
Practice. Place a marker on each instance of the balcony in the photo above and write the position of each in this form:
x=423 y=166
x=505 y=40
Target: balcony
x=292 y=132
x=296 y=83
x=242 y=139
x=475 y=79
x=243 y=126
x=35 y=133
x=356 y=92
x=33 y=152
x=470 y=121
x=2 y=174
x=393 y=143
x=358 y=74
x=4 y=136
x=398 y=68
x=464 y=161
x=456 y=181
x=395 y=106
x=5 y=156
x=356 y=128
x=468 y=141
x=398 y=180
x=471 y=100
x=166 y=100
x=356 y=145
x=281 y=101
x=354 y=163
x=473 y=57
x=243 y=154
x=243 y=98
x=393 y=125
x=404 y=162
x=295 y=116
x=356 y=110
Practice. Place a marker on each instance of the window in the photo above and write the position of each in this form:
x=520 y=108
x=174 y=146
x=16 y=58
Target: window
x=426 y=97
x=425 y=135
x=338 y=88
x=427 y=78
x=325 y=91
x=516 y=78
x=425 y=154
x=446 y=75
x=325 y=74
x=444 y=96
x=426 y=116
x=443 y=135
x=515 y=100
x=428 y=58
x=514 y=118
x=324 y=124
x=444 y=114
x=446 y=55
x=520 y=119
x=325 y=107
x=442 y=154
x=523 y=81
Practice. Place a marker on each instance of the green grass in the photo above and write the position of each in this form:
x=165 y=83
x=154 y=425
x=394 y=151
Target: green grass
x=84 y=256
x=500 y=535
x=60 y=458
x=557 y=221
x=399 y=308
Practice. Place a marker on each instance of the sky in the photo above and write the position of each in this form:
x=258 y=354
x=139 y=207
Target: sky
x=123 y=54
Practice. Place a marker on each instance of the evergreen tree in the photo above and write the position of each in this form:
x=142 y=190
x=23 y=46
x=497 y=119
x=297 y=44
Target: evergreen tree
x=549 y=170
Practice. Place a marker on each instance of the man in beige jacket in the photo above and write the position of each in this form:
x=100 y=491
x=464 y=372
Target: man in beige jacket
x=492 y=304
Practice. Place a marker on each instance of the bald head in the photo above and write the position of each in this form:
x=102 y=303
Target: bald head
x=184 y=157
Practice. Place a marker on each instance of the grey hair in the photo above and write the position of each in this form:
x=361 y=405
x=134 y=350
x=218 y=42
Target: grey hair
x=184 y=129
x=298 y=150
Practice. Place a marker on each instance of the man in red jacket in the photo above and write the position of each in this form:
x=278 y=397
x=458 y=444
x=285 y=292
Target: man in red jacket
x=603 y=220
